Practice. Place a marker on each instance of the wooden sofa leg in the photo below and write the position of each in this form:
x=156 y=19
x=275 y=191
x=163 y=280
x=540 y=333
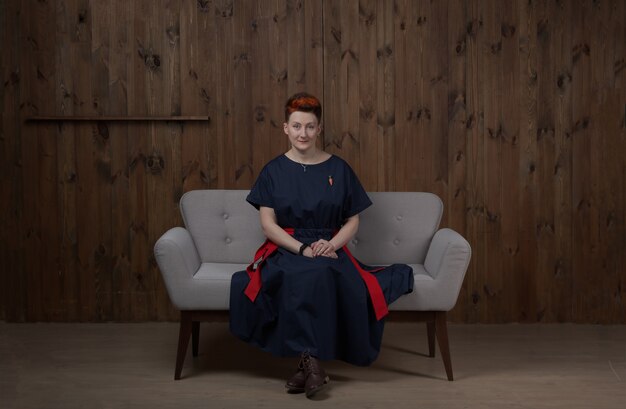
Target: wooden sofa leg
x=430 y=327
x=195 y=337
x=441 y=328
x=183 y=341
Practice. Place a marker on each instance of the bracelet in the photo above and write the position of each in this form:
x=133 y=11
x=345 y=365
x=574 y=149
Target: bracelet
x=302 y=248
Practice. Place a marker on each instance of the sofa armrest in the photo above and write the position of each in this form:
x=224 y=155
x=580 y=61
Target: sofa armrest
x=447 y=259
x=177 y=256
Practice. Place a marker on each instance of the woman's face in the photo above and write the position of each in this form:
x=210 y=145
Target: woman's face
x=302 y=130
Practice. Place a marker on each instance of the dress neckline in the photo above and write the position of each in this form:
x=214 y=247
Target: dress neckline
x=306 y=165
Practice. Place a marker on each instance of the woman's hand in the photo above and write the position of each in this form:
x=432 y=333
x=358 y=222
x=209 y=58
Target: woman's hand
x=323 y=248
x=308 y=252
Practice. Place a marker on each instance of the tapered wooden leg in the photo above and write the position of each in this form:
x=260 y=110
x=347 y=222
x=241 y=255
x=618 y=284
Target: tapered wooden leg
x=183 y=341
x=430 y=326
x=441 y=328
x=195 y=336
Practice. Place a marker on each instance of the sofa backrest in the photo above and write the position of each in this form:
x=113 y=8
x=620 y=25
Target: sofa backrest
x=398 y=227
x=224 y=227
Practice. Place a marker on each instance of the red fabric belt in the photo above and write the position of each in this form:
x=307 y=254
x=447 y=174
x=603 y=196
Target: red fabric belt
x=254 y=269
x=373 y=287
x=269 y=247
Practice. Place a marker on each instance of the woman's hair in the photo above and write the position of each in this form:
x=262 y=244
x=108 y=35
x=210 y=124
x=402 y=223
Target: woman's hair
x=303 y=102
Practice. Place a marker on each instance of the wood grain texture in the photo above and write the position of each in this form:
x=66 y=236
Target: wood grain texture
x=457 y=119
x=13 y=281
x=513 y=113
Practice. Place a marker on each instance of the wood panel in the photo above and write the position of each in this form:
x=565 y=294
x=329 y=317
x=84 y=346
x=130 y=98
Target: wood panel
x=513 y=113
x=475 y=208
x=457 y=129
x=13 y=279
x=121 y=272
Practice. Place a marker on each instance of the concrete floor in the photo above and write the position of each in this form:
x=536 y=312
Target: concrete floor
x=132 y=365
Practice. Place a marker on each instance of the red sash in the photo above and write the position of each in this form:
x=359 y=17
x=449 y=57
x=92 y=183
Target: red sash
x=373 y=287
x=254 y=269
x=269 y=247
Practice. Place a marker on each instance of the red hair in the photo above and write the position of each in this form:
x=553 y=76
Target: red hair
x=303 y=102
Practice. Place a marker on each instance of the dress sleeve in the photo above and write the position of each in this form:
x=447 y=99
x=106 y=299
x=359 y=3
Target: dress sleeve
x=261 y=192
x=356 y=199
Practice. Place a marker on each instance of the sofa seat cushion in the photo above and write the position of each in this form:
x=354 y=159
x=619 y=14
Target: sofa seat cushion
x=428 y=294
x=218 y=271
x=210 y=288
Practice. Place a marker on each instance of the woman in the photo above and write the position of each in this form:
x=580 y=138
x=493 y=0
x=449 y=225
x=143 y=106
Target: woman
x=305 y=294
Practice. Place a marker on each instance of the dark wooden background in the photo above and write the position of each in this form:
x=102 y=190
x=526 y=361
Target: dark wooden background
x=512 y=111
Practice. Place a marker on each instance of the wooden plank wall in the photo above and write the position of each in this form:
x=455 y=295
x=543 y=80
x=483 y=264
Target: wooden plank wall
x=513 y=112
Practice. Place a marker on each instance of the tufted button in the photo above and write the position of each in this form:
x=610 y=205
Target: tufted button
x=398 y=217
x=355 y=241
x=225 y=216
x=396 y=242
x=228 y=240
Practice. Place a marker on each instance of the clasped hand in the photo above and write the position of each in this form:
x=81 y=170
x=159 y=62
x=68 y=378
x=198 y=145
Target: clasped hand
x=322 y=248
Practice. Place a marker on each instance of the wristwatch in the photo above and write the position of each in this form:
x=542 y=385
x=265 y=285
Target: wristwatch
x=302 y=248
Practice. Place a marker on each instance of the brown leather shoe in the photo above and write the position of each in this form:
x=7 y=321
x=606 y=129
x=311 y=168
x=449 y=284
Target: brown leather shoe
x=315 y=376
x=297 y=382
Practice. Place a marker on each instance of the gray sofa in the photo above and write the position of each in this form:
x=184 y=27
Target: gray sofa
x=222 y=232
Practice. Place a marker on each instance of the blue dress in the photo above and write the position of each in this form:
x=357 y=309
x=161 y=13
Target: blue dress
x=320 y=305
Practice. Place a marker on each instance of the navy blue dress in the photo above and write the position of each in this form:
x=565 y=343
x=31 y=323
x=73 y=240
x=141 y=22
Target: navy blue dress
x=320 y=305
